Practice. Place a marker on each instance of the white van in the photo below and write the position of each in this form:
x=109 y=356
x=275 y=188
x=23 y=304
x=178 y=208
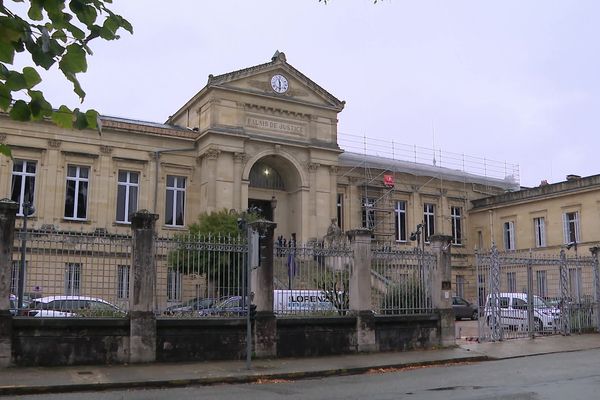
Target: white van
x=301 y=302
x=513 y=312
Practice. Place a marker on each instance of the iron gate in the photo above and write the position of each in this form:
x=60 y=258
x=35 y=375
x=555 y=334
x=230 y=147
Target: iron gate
x=523 y=294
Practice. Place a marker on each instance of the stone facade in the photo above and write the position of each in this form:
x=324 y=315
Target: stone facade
x=242 y=140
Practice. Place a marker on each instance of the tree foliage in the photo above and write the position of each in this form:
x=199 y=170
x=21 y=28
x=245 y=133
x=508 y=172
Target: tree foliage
x=196 y=254
x=335 y=286
x=54 y=32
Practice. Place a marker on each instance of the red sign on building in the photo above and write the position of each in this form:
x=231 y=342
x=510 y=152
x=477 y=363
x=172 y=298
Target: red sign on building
x=388 y=180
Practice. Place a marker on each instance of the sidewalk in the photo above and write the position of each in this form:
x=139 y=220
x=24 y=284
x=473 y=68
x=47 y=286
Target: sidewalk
x=15 y=381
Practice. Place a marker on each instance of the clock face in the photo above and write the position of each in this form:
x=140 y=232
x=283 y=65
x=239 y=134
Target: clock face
x=279 y=83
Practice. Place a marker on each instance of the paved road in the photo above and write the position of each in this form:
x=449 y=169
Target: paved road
x=570 y=376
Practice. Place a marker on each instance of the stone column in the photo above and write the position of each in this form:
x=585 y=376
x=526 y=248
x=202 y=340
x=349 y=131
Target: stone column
x=142 y=339
x=238 y=163
x=8 y=212
x=265 y=325
x=441 y=288
x=360 y=290
x=210 y=164
x=313 y=168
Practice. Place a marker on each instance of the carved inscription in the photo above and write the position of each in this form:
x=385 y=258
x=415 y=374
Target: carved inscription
x=279 y=126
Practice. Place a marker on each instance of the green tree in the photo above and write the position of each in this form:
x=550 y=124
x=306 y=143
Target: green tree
x=335 y=286
x=212 y=248
x=53 y=32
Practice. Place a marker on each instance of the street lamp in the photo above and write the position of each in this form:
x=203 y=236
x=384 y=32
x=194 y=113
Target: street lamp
x=28 y=210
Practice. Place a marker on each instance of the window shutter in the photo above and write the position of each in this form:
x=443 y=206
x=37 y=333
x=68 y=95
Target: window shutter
x=565 y=229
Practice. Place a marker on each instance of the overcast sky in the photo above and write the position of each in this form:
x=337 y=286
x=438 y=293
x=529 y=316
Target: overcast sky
x=514 y=81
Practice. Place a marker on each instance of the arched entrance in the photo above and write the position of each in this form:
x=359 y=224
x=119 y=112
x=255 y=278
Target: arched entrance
x=274 y=184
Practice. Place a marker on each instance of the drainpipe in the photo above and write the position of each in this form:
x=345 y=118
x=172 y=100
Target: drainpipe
x=157 y=154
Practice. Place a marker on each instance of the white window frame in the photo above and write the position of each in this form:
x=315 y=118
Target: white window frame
x=73 y=279
x=511 y=281
x=428 y=221
x=368 y=213
x=508 y=233
x=22 y=175
x=123 y=273
x=177 y=193
x=460 y=286
x=340 y=210
x=128 y=185
x=173 y=284
x=401 y=221
x=541 y=281
x=571 y=227
x=78 y=181
x=456 y=218
x=539 y=227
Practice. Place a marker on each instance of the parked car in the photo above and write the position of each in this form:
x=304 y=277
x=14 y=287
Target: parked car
x=463 y=309
x=231 y=307
x=70 y=306
x=193 y=305
x=513 y=312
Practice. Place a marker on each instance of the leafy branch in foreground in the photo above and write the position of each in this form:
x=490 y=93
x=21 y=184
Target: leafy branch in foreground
x=54 y=32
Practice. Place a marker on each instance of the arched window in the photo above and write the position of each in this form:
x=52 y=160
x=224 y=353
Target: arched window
x=265 y=177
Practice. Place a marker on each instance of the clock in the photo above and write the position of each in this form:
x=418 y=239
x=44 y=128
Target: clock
x=279 y=83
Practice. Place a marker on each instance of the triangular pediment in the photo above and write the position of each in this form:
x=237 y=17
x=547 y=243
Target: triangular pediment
x=256 y=80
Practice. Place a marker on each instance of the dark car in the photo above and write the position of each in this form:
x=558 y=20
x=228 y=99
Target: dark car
x=464 y=309
x=231 y=307
x=192 y=305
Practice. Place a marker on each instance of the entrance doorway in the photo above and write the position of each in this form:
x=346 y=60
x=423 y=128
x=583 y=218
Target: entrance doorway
x=263 y=207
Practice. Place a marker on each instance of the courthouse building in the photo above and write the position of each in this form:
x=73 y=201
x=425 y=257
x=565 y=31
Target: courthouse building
x=249 y=137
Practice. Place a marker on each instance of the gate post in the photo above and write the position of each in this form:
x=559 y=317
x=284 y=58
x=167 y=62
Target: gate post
x=565 y=312
x=265 y=324
x=495 y=317
x=441 y=287
x=360 y=289
x=8 y=212
x=142 y=321
x=594 y=251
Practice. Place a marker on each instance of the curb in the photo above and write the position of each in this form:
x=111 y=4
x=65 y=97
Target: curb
x=175 y=383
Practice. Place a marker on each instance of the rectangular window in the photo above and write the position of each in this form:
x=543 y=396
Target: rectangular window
x=428 y=221
x=456 y=215
x=541 y=283
x=571 y=227
x=479 y=240
x=175 y=204
x=511 y=282
x=368 y=213
x=173 y=285
x=127 y=194
x=23 y=183
x=575 y=283
x=77 y=192
x=123 y=281
x=460 y=285
x=539 y=226
x=14 y=277
x=72 y=279
x=340 y=210
x=509 y=235
x=400 y=220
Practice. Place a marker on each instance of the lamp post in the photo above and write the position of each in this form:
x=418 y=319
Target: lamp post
x=28 y=209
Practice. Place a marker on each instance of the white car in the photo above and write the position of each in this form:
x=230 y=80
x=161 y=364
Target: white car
x=513 y=312
x=71 y=306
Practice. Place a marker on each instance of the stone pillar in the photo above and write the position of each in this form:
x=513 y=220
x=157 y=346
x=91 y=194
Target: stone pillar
x=238 y=163
x=360 y=290
x=441 y=288
x=8 y=212
x=211 y=164
x=142 y=339
x=265 y=324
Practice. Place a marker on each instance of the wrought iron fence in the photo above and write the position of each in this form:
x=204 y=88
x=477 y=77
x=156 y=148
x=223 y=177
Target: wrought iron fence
x=311 y=279
x=528 y=293
x=201 y=276
x=69 y=274
x=401 y=281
